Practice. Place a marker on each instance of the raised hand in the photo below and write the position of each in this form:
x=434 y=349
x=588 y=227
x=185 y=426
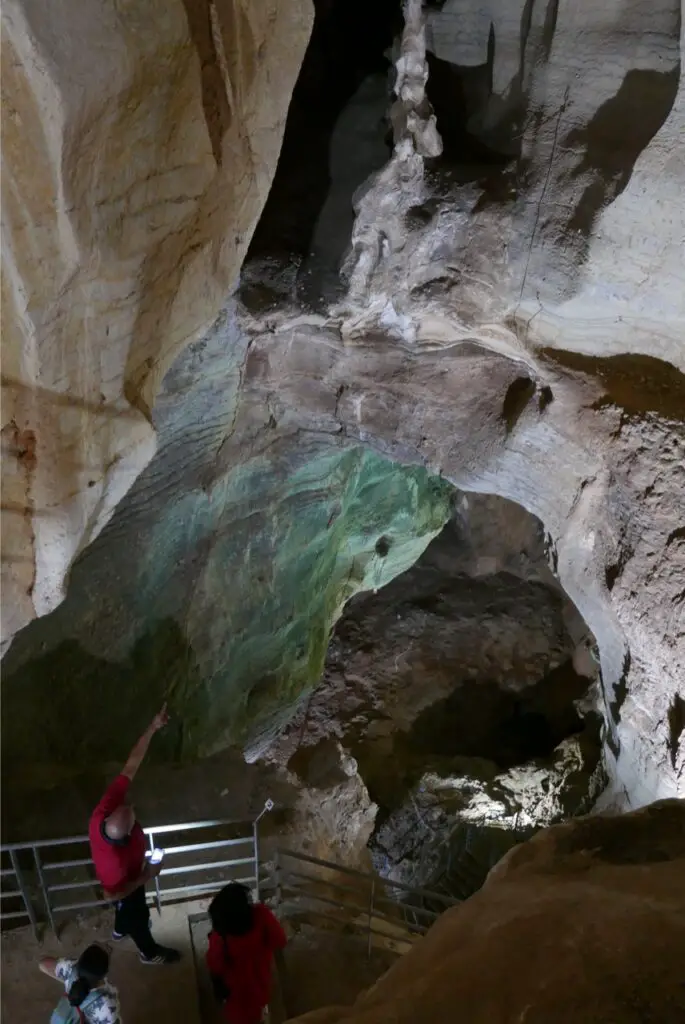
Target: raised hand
x=160 y=719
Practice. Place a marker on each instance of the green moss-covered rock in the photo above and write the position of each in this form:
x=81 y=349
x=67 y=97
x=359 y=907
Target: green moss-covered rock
x=219 y=599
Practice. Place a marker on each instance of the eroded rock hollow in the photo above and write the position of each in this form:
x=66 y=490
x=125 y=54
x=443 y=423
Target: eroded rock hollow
x=465 y=291
x=465 y=693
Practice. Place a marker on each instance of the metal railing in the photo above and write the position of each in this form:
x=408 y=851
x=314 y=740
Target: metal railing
x=396 y=913
x=40 y=896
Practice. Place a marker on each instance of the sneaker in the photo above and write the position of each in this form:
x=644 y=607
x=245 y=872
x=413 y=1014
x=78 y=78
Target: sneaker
x=164 y=956
x=117 y=936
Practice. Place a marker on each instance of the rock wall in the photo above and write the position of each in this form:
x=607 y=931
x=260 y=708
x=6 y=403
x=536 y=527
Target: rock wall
x=454 y=690
x=216 y=583
x=499 y=327
x=584 y=922
x=511 y=316
x=478 y=621
x=138 y=147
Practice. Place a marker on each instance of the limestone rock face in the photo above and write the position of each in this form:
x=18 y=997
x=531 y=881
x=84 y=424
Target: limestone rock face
x=583 y=922
x=511 y=322
x=459 y=819
x=216 y=583
x=509 y=319
x=139 y=143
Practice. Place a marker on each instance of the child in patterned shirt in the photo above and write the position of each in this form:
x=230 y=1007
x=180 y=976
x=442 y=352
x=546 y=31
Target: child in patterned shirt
x=85 y=982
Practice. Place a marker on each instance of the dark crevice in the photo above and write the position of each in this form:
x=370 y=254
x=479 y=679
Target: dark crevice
x=215 y=104
x=620 y=690
x=519 y=394
x=674 y=535
x=545 y=398
x=382 y=546
x=346 y=58
x=550 y=26
x=676 y=726
x=457 y=95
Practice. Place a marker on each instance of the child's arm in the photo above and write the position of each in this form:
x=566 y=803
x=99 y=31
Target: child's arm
x=48 y=965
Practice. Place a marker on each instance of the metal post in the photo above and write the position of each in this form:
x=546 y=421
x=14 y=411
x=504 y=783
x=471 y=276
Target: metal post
x=158 y=900
x=373 y=891
x=44 y=889
x=277 y=879
x=268 y=806
x=255 y=840
x=24 y=892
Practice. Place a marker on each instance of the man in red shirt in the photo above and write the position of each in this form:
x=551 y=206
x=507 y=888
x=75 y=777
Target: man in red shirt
x=118 y=847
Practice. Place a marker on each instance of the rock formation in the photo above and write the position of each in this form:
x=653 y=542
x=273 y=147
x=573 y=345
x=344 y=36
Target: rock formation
x=455 y=690
x=509 y=320
x=583 y=922
x=138 y=148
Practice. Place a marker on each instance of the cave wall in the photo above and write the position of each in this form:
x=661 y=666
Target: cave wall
x=455 y=690
x=516 y=330
x=217 y=593
x=583 y=922
x=448 y=650
x=138 y=147
x=500 y=328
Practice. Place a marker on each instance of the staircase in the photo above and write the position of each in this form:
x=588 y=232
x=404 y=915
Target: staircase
x=331 y=908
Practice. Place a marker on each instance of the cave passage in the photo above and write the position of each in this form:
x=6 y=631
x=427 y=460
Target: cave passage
x=503 y=727
x=463 y=690
x=336 y=136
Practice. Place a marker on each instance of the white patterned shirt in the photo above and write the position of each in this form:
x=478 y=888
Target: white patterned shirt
x=104 y=1009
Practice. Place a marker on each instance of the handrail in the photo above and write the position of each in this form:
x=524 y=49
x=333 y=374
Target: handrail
x=179 y=827
x=422 y=911
x=299 y=885
x=370 y=910
x=427 y=893
x=48 y=888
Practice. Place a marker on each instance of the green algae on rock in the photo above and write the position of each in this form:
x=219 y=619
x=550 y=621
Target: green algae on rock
x=223 y=604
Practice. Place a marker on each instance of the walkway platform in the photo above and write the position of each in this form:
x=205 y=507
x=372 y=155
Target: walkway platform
x=164 y=994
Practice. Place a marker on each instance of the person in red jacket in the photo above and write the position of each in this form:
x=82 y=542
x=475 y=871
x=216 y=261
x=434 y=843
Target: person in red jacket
x=242 y=942
x=118 y=847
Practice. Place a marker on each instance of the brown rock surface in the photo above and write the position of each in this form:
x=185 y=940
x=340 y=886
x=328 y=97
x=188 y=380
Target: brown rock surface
x=586 y=922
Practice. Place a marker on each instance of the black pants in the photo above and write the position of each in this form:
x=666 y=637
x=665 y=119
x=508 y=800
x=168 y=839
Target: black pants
x=132 y=917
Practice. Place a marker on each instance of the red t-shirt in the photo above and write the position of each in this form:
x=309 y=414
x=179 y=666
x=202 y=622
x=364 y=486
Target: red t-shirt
x=243 y=962
x=116 y=864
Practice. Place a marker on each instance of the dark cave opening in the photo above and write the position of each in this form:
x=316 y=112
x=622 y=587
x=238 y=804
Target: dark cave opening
x=345 y=65
x=457 y=95
x=505 y=727
x=464 y=694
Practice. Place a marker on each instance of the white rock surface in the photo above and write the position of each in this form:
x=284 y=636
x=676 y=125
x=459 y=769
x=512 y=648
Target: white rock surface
x=139 y=144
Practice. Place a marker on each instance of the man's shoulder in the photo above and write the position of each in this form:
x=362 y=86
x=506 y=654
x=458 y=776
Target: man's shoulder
x=113 y=797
